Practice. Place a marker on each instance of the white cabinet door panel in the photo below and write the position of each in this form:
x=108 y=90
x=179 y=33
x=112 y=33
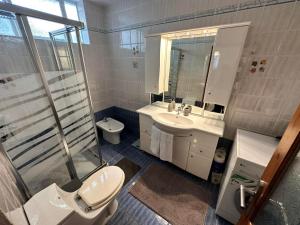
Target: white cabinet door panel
x=146 y=123
x=198 y=165
x=226 y=55
x=145 y=141
x=181 y=147
x=152 y=64
x=157 y=64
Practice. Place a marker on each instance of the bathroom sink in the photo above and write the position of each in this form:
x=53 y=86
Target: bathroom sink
x=174 y=119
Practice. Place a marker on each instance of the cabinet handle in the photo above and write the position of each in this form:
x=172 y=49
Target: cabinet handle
x=192 y=156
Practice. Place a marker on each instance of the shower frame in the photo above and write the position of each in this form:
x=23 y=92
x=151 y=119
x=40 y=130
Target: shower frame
x=22 y=15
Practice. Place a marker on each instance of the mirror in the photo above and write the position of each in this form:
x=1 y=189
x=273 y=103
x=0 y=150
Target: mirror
x=189 y=63
x=196 y=66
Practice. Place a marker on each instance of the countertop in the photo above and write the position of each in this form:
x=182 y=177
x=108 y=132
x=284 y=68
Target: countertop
x=212 y=126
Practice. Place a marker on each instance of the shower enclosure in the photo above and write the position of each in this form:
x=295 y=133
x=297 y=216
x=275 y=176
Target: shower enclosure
x=47 y=126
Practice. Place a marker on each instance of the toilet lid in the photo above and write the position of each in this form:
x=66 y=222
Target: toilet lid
x=102 y=185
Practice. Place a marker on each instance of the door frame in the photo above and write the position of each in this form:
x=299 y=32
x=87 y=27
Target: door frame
x=284 y=154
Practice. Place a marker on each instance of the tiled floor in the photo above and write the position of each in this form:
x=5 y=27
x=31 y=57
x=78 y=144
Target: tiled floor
x=130 y=210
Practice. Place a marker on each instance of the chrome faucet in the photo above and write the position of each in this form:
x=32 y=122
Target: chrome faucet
x=178 y=110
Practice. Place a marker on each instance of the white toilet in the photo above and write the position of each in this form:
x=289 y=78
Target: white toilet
x=111 y=129
x=94 y=203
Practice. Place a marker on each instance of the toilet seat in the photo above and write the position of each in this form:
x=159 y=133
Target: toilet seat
x=102 y=186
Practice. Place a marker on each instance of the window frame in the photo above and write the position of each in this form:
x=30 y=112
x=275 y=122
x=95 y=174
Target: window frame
x=63 y=13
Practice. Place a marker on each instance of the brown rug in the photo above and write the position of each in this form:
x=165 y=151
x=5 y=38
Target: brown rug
x=172 y=196
x=129 y=168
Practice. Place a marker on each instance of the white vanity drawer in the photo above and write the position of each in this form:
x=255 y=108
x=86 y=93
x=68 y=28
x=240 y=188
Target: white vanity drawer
x=146 y=123
x=203 y=151
x=205 y=139
x=198 y=165
x=204 y=144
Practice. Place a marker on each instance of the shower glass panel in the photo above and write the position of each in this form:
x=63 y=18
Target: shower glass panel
x=28 y=130
x=70 y=95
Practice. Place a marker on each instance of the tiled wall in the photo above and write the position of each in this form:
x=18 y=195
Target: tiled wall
x=97 y=56
x=128 y=117
x=261 y=101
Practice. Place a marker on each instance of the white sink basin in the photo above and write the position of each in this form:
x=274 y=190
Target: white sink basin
x=174 y=119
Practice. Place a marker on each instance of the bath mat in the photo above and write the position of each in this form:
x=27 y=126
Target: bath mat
x=129 y=168
x=172 y=196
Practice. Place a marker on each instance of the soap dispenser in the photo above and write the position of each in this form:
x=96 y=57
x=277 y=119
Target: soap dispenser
x=173 y=104
x=170 y=107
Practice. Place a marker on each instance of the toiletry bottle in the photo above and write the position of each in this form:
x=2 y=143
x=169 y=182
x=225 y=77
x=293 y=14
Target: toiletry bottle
x=173 y=104
x=170 y=107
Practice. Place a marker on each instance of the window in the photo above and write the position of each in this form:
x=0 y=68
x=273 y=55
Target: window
x=47 y=6
x=6 y=27
x=41 y=28
x=71 y=10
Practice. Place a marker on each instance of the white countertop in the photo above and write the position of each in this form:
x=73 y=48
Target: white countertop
x=212 y=126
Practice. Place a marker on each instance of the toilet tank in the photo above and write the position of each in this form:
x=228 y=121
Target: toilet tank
x=47 y=207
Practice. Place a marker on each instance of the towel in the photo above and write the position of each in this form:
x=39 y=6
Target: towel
x=166 y=146
x=155 y=140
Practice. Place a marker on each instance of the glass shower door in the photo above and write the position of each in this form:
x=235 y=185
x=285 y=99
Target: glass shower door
x=283 y=206
x=69 y=92
x=28 y=130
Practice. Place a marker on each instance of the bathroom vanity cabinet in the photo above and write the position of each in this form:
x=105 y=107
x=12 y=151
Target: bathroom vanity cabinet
x=193 y=150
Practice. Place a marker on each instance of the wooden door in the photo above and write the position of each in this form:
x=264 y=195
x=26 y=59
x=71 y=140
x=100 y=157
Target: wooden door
x=280 y=180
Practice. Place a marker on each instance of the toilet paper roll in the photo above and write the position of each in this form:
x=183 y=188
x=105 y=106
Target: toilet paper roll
x=220 y=156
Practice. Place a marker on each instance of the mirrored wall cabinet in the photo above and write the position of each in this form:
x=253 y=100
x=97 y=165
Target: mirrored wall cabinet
x=196 y=66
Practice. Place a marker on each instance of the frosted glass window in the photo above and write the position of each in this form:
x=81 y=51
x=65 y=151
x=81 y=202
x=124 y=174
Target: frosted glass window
x=72 y=13
x=6 y=27
x=47 y=6
x=39 y=27
x=71 y=10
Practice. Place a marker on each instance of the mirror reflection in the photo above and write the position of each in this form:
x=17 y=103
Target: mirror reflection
x=190 y=58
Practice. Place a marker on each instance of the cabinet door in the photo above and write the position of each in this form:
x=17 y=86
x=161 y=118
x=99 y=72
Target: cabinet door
x=146 y=123
x=145 y=141
x=226 y=55
x=157 y=64
x=152 y=64
x=181 y=147
x=198 y=165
